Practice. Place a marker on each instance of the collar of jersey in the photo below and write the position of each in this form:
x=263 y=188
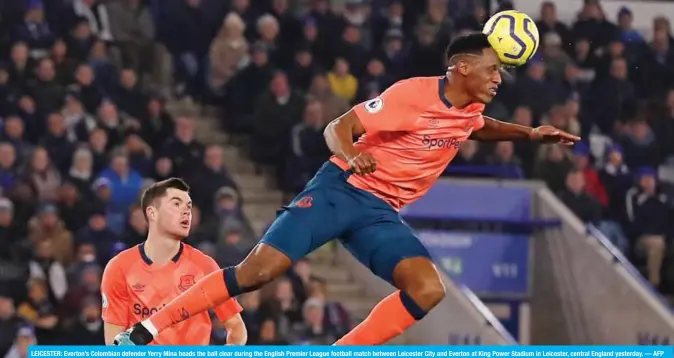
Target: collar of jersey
x=441 y=92
x=146 y=259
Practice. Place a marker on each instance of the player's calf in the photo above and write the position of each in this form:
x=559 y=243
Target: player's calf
x=421 y=289
x=261 y=266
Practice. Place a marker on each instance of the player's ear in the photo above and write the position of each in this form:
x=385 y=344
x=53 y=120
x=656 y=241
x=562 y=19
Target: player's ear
x=463 y=67
x=151 y=212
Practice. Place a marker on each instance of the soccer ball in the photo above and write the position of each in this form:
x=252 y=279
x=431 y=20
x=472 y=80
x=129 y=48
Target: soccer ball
x=513 y=35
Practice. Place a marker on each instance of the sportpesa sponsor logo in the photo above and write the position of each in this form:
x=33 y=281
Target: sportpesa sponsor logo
x=144 y=311
x=445 y=143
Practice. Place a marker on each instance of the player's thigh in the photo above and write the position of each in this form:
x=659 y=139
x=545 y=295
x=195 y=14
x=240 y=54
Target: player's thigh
x=306 y=224
x=383 y=245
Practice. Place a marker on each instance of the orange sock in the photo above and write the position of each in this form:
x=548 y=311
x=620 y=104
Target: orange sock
x=388 y=319
x=207 y=293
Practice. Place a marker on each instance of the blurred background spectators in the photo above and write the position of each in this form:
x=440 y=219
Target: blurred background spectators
x=85 y=126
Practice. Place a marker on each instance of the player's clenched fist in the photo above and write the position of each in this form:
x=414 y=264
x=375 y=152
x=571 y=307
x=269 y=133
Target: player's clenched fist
x=363 y=163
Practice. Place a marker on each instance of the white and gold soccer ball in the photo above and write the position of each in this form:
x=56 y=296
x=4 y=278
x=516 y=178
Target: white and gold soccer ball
x=513 y=35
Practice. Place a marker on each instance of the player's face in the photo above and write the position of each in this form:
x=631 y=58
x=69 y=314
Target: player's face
x=174 y=213
x=484 y=76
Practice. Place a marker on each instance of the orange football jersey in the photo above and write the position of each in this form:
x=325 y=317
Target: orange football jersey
x=133 y=288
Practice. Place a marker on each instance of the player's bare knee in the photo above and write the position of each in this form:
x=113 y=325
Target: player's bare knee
x=428 y=293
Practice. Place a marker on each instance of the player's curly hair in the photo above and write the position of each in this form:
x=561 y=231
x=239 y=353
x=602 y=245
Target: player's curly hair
x=159 y=189
x=472 y=43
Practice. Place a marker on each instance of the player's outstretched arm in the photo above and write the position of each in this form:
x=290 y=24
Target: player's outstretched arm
x=237 y=335
x=495 y=131
x=339 y=136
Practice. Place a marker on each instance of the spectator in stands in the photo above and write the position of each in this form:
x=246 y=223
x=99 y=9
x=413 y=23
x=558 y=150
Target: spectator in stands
x=112 y=122
x=552 y=166
x=44 y=266
x=54 y=153
x=208 y=178
x=659 y=62
x=575 y=196
x=300 y=277
x=156 y=123
x=314 y=330
x=284 y=308
x=163 y=169
x=252 y=315
x=279 y=110
x=128 y=95
x=20 y=68
x=125 y=184
x=99 y=60
x=34 y=30
x=309 y=150
x=140 y=154
x=72 y=207
x=46 y=91
x=336 y=316
x=469 y=155
x=25 y=337
x=231 y=249
x=40 y=311
x=504 y=157
x=641 y=146
x=14 y=134
x=98 y=144
x=184 y=150
x=85 y=257
x=10 y=236
x=229 y=215
x=88 y=285
x=136 y=230
x=8 y=166
x=525 y=150
x=333 y=105
x=648 y=211
x=303 y=68
x=85 y=90
x=47 y=226
x=665 y=129
x=132 y=28
x=612 y=95
x=100 y=234
x=63 y=63
x=630 y=36
x=79 y=123
x=269 y=335
x=533 y=90
x=554 y=56
x=246 y=86
x=617 y=179
x=549 y=23
x=593 y=185
x=81 y=173
x=88 y=330
x=342 y=82
x=228 y=52
x=9 y=323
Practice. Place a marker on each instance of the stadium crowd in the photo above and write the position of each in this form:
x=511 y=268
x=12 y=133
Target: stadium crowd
x=83 y=130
